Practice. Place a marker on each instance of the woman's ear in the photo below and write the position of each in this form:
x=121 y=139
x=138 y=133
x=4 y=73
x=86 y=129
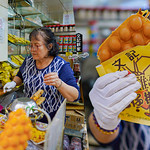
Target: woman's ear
x=50 y=46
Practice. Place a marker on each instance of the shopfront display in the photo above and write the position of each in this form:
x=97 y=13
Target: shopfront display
x=22 y=17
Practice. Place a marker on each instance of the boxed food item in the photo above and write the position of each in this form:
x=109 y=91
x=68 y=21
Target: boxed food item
x=74 y=119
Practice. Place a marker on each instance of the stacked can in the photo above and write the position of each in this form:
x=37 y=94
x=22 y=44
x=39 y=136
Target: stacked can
x=67 y=43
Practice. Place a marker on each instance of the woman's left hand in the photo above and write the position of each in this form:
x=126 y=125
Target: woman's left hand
x=52 y=79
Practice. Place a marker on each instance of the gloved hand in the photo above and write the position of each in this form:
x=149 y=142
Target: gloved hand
x=110 y=95
x=9 y=86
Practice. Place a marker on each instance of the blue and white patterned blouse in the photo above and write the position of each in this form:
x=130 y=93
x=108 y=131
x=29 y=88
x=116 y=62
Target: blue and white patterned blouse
x=33 y=81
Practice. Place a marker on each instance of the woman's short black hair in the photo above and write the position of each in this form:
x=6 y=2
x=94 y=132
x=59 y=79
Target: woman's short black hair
x=48 y=37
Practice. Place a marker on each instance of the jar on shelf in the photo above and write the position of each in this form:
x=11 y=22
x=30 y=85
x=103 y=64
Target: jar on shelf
x=76 y=68
x=70 y=28
x=61 y=28
x=66 y=28
x=53 y=28
x=73 y=28
x=57 y=28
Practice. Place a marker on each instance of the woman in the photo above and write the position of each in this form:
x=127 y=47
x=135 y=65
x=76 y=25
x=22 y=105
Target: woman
x=47 y=71
x=110 y=95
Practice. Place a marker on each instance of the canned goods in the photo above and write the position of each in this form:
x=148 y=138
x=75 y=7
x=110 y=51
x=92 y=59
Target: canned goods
x=65 y=39
x=61 y=39
x=60 y=47
x=70 y=39
x=69 y=47
x=74 y=48
x=74 y=39
x=65 y=47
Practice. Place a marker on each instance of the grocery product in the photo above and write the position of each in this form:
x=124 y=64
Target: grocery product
x=17 y=59
x=135 y=60
x=66 y=142
x=38 y=136
x=134 y=31
x=17 y=131
x=75 y=144
x=17 y=40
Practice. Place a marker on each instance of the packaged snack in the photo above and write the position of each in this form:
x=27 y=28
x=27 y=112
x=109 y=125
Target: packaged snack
x=135 y=60
x=134 y=31
x=75 y=144
x=66 y=142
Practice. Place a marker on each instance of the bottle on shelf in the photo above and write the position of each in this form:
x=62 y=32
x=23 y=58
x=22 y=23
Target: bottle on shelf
x=76 y=68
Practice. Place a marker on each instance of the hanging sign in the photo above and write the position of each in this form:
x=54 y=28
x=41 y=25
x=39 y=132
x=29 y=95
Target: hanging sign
x=79 y=42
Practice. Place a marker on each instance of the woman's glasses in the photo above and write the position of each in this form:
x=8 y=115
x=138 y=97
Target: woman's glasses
x=35 y=47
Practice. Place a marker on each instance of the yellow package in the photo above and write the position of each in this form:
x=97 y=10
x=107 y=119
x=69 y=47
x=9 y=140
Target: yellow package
x=136 y=60
x=134 y=31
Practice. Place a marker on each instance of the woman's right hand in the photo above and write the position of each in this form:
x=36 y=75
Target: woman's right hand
x=9 y=86
x=110 y=95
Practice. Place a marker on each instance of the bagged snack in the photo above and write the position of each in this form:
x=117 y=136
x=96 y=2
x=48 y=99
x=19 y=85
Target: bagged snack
x=136 y=60
x=75 y=144
x=134 y=31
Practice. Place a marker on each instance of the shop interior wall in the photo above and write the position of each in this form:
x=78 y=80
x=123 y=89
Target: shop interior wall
x=3 y=30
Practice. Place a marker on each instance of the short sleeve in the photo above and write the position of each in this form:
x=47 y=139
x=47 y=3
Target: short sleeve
x=66 y=74
x=19 y=74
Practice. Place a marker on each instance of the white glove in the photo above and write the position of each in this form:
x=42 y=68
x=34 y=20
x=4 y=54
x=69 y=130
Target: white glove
x=9 y=86
x=110 y=95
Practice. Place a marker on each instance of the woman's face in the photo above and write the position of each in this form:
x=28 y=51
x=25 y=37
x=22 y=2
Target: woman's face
x=38 y=48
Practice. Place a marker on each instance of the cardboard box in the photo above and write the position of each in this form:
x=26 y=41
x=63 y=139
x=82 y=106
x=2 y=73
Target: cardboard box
x=74 y=119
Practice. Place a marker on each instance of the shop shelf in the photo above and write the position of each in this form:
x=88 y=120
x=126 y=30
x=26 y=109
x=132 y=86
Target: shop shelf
x=19 y=24
x=26 y=10
x=17 y=44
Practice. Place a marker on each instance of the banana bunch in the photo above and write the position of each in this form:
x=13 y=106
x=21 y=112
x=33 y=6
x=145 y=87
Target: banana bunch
x=7 y=72
x=17 y=59
x=11 y=38
x=17 y=40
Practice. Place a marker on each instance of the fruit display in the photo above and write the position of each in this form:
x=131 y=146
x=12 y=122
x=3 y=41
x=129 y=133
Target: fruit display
x=134 y=31
x=17 y=59
x=17 y=40
x=7 y=71
x=17 y=131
